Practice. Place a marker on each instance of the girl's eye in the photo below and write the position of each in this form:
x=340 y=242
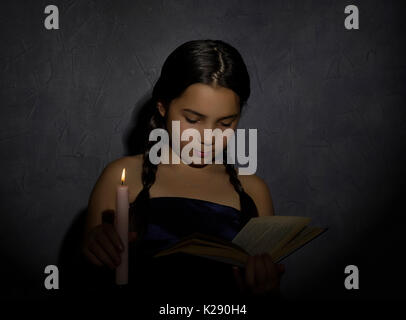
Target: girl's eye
x=194 y=121
x=190 y=120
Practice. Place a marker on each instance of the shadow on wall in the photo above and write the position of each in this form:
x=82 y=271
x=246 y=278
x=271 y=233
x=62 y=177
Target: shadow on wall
x=77 y=275
x=74 y=269
x=136 y=134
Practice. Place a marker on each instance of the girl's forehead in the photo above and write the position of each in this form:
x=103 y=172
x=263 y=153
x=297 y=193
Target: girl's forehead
x=207 y=100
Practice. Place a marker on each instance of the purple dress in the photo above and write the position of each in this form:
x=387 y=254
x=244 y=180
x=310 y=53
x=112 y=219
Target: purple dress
x=183 y=276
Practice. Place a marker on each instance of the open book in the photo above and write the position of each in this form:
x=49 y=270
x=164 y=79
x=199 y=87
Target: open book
x=277 y=235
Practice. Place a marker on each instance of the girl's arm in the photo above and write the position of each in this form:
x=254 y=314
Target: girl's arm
x=259 y=192
x=102 y=244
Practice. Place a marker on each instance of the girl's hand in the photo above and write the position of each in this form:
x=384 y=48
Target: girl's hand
x=262 y=275
x=103 y=246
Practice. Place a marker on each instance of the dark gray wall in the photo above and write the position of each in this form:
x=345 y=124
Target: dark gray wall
x=328 y=104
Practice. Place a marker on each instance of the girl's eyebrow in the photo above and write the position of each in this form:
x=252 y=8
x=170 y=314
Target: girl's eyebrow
x=203 y=116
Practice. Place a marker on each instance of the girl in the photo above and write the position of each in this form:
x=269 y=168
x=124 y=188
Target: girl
x=204 y=84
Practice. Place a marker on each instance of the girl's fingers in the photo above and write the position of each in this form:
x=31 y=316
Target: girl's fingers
x=238 y=278
x=93 y=259
x=249 y=272
x=114 y=237
x=105 y=243
x=261 y=274
x=281 y=268
x=108 y=247
x=98 y=251
x=270 y=266
x=273 y=273
x=132 y=236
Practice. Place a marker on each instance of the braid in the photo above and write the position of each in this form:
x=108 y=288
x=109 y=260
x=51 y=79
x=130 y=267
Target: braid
x=139 y=218
x=248 y=207
x=148 y=170
x=230 y=169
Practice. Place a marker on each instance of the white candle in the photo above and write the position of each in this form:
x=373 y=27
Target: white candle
x=121 y=225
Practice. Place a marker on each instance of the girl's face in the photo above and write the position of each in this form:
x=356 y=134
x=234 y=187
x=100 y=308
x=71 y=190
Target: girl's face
x=203 y=107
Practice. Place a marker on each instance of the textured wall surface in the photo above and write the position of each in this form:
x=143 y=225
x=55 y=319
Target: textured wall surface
x=328 y=104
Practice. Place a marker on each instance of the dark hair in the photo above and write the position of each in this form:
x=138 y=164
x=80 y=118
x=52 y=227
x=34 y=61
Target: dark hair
x=211 y=62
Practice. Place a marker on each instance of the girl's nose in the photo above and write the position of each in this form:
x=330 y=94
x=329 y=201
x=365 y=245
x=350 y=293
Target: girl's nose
x=209 y=140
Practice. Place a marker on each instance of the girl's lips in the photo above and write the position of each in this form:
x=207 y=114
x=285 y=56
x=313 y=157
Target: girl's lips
x=202 y=154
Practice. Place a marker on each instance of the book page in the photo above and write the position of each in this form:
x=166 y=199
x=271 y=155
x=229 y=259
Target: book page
x=268 y=234
x=202 y=239
x=305 y=236
x=217 y=253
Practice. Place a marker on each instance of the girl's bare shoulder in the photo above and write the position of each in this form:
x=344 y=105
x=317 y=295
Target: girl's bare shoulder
x=133 y=167
x=132 y=164
x=259 y=191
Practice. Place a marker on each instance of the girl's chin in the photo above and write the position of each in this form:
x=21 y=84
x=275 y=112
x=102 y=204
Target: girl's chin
x=197 y=159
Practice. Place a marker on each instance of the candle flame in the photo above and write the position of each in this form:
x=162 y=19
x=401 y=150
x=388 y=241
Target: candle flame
x=123 y=176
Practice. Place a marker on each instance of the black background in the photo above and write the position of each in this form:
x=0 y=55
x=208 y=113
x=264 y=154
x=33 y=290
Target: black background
x=328 y=104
